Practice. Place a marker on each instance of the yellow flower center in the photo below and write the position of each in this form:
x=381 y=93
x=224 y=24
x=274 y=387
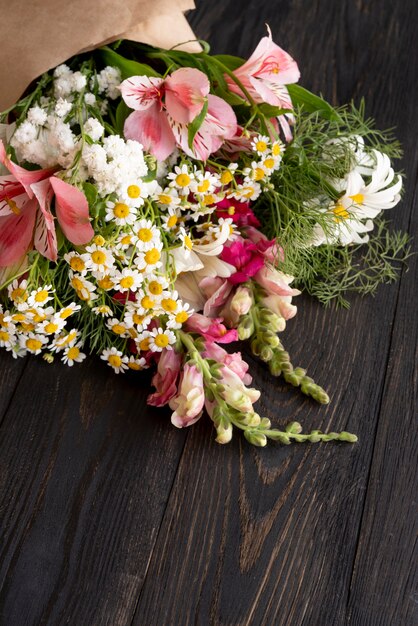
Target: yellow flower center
x=41 y=296
x=77 y=264
x=226 y=177
x=134 y=191
x=51 y=328
x=144 y=234
x=204 y=186
x=114 y=360
x=209 y=199
x=169 y=304
x=4 y=335
x=28 y=327
x=83 y=295
x=98 y=257
x=126 y=240
x=133 y=365
x=66 y=313
x=231 y=210
x=152 y=256
x=183 y=180
x=340 y=213
x=276 y=149
x=18 y=317
x=164 y=198
x=259 y=174
x=161 y=341
x=77 y=284
x=126 y=282
x=104 y=309
x=19 y=295
x=147 y=302
x=182 y=317
x=33 y=345
x=268 y=163
x=358 y=198
x=121 y=210
x=172 y=221
x=73 y=353
x=155 y=288
x=248 y=192
x=144 y=344
x=118 y=329
x=137 y=319
x=105 y=283
x=99 y=240
x=261 y=146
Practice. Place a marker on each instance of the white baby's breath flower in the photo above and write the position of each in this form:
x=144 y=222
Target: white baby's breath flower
x=93 y=128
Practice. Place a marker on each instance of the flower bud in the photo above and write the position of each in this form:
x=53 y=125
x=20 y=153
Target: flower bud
x=255 y=438
x=224 y=434
x=266 y=354
x=241 y=301
x=245 y=328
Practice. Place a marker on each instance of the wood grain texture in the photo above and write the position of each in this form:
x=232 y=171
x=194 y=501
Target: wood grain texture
x=111 y=517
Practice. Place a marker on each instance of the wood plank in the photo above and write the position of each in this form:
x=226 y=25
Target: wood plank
x=270 y=537
x=11 y=371
x=384 y=589
x=86 y=473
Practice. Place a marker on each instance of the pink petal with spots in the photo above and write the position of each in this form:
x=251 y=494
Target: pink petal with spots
x=45 y=238
x=186 y=90
x=152 y=130
x=141 y=92
x=16 y=234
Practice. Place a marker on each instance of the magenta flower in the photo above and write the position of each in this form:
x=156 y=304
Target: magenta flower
x=245 y=256
x=211 y=329
x=265 y=76
x=239 y=212
x=164 y=108
x=26 y=219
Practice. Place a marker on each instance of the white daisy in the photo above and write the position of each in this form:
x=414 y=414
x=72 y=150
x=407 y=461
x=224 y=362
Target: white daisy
x=115 y=359
x=73 y=355
x=162 y=339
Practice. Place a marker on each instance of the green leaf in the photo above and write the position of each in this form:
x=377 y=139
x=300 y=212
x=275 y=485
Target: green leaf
x=311 y=103
x=231 y=98
x=90 y=191
x=230 y=61
x=271 y=111
x=127 y=68
x=122 y=113
x=196 y=124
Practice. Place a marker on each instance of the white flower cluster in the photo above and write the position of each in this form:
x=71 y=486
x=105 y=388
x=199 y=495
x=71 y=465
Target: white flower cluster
x=113 y=163
x=108 y=81
x=368 y=189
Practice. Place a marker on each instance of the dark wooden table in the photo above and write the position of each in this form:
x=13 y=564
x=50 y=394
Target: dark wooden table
x=111 y=516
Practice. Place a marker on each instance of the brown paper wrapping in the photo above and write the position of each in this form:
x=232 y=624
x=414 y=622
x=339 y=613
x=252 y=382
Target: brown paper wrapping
x=37 y=35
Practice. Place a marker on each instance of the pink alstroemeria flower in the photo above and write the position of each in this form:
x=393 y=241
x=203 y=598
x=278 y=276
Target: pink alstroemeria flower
x=163 y=109
x=188 y=404
x=244 y=255
x=165 y=379
x=25 y=212
x=265 y=76
x=211 y=329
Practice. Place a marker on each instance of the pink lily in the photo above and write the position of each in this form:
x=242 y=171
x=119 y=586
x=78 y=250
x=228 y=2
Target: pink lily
x=211 y=329
x=188 y=404
x=165 y=379
x=265 y=76
x=26 y=219
x=163 y=109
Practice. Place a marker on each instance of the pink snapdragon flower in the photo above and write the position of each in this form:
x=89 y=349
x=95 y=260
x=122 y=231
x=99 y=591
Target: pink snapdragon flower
x=239 y=212
x=164 y=107
x=235 y=393
x=278 y=291
x=238 y=304
x=26 y=219
x=269 y=248
x=188 y=404
x=165 y=378
x=245 y=257
x=211 y=329
x=233 y=361
x=265 y=76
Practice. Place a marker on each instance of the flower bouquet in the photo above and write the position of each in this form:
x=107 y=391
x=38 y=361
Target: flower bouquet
x=157 y=205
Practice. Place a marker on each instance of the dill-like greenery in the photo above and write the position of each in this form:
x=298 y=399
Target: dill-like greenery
x=302 y=189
